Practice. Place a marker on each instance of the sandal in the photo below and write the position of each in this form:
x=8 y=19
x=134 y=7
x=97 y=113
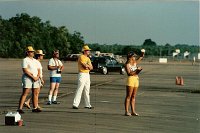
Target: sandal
x=135 y=114
x=27 y=105
x=39 y=107
x=127 y=114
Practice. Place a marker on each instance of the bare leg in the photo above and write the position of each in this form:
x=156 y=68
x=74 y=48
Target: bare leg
x=129 y=91
x=35 y=97
x=133 y=97
x=181 y=81
x=38 y=97
x=55 y=93
x=51 y=90
x=52 y=87
x=27 y=103
x=23 y=97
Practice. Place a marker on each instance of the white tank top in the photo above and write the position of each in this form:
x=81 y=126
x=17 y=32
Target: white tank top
x=132 y=67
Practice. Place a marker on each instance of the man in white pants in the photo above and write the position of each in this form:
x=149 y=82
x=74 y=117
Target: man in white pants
x=84 y=67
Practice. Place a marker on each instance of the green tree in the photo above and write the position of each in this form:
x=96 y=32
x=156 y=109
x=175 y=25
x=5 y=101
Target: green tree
x=22 y=30
x=76 y=42
x=149 y=43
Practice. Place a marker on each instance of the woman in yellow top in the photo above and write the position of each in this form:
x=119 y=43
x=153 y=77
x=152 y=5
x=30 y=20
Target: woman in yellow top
x=132 y=82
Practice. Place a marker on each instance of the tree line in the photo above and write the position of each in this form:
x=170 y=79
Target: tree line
x=23 y=30
x=152 y=49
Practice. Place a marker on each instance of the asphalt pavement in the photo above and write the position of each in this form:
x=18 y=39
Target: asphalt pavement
x=163 y=107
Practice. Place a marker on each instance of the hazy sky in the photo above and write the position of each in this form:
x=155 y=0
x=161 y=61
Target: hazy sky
x=122 y=22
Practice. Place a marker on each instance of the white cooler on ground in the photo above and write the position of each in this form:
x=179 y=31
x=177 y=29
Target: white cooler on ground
x=12 y=118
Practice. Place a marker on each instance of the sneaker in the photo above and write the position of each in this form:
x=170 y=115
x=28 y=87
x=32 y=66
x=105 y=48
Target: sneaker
x=36 y=110
x=89 y=107
x=20 y=111
x=74 y=107
x=49 y=103
x=55 y=102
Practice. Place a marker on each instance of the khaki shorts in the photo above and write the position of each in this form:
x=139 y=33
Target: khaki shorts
x=29 y=83
x=133 y=81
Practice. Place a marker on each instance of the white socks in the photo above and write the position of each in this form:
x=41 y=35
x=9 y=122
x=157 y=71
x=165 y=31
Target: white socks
x=50 y=97
x=54 y=98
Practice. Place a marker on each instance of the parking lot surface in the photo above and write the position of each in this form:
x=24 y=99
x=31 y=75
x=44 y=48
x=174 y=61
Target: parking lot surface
x=163 y=106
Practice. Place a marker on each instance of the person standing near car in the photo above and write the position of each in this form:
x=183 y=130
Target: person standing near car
x=132 y=82
x=30 y=80
x=56 y=67
x=84 y=67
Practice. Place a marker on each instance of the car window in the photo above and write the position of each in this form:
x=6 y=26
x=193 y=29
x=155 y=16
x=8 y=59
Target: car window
x=114 y=61
x=101 y=60
x=108 y=61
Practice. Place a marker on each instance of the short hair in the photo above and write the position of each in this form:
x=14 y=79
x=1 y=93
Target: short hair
x=37 y=56
x=55 y=51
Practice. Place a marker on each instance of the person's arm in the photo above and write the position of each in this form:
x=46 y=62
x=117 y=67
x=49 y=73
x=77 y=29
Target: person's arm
x=83 y=64
x=38 y=75
x=29 y=74
x=89 y=65
x=140 y=58
x=41 y=78
x=52 y=67
x=42 y=81
x=61 y=66
x=128 y=70
x=86 y=65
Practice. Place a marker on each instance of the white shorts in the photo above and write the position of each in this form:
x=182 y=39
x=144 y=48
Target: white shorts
x=29 y=83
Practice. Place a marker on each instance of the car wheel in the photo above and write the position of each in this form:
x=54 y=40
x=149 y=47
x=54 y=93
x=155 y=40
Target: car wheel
x=122 y=71
x=104 y=70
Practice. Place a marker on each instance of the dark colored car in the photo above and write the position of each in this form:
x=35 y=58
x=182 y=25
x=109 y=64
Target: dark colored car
x=107 y=64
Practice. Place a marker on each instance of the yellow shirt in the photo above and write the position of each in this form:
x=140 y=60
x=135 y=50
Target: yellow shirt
x=83 y=60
